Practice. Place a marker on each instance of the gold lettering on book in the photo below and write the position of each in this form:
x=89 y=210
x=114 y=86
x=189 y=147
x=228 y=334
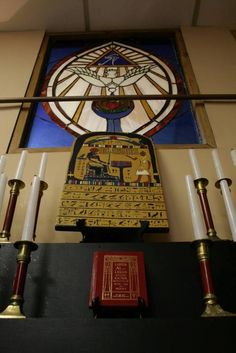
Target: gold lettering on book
x=120 y=277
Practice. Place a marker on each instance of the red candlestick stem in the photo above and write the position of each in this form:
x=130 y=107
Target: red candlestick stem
x=19 y=280
x=206 y=277
x=15 y=185
x=200 y=185
x=206 y=210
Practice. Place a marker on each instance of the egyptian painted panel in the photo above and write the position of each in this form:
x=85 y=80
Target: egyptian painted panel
x=112 y=182
x=110 y=68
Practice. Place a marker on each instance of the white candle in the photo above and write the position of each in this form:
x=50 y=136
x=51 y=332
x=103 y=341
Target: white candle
x=230 y=209
x=198 y=226
x=3 y=183
x=28 y=228
x=218 y=167
x=195 y=165
x=2 y=163
x=42 y=167
x=21 y=165
x=233 y=156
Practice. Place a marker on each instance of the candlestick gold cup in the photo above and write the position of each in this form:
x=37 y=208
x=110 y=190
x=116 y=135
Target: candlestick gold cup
x=200 y=185
x=212 y=308
x=228 y=180
x=15 y=186
x=15 y=308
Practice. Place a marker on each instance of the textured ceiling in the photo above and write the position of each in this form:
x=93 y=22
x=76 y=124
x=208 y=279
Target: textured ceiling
x=86 y=15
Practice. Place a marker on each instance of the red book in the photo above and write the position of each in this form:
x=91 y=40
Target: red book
x=118 y=280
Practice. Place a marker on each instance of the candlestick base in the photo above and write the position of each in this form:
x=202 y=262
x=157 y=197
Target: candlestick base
x=14 y=309
x=212 y=308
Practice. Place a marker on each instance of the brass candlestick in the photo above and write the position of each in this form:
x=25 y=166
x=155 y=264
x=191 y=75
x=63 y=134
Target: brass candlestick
x=14 y=309
x=200 y=185
x=212 y=308
x=43 y=187
x=15 y=185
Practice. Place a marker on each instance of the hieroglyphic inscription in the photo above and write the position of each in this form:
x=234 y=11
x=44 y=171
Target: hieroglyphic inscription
x=113 y=189
x=103 y=222
x=112 y=206
x=83 y=204
x=115 y=213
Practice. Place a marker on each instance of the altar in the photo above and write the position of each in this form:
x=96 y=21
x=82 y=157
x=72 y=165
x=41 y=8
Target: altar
x=59 y=318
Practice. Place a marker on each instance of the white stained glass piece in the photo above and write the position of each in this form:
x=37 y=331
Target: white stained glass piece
x=58 y=71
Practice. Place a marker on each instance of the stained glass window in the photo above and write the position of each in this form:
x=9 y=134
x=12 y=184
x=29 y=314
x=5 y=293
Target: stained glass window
x=134 y=65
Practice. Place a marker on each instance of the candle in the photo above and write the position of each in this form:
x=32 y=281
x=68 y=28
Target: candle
x=3 y=183
x=233 y=156
x=28 y=228
x=21 y=165
x=198 y=226
x=195 y=165
x=218 y=167
x=2 y=163
x=42 y=167
x=229 y=206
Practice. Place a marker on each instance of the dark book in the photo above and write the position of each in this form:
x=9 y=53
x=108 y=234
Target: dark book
x=118 y=280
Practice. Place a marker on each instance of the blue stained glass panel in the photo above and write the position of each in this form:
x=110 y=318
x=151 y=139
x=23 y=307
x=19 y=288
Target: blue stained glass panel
x=46 y=131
